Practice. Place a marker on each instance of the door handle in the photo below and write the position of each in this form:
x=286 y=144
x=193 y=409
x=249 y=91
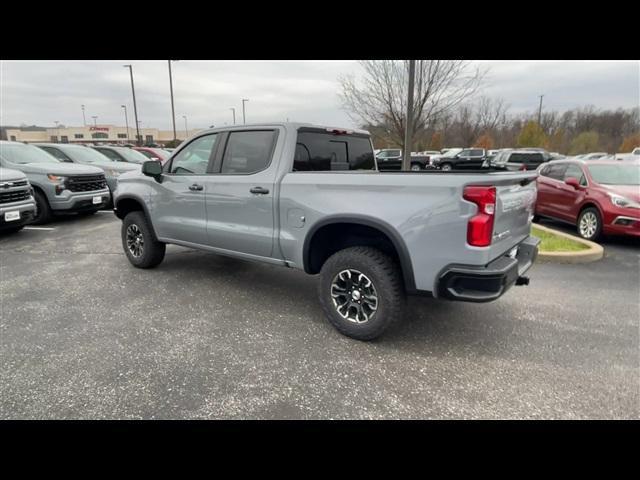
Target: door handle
x=195 y=187
x=260 y=190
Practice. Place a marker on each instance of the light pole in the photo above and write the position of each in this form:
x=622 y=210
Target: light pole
x=244 y=121
x=408 y=134
x=126 y=121
x=173 y=112
x=84 y=120
x=234 y=114
x=186 y=130
x=57 y=130
x=135 y=108
x=94 y=120
x=540 y=110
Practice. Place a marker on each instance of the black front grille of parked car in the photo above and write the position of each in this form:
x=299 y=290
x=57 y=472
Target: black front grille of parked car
x=14 y=196
x=86 y=183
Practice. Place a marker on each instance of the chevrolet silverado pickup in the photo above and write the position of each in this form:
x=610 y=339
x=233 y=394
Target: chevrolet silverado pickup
x=17 y=206
x=311 y=198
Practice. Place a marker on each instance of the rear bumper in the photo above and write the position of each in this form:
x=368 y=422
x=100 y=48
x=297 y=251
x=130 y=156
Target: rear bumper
x=470 y=283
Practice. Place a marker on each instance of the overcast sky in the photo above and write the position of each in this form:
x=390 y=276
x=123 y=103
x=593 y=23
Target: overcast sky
x=37 y=92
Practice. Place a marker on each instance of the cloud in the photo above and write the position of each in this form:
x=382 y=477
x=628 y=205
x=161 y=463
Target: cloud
x=42 y=92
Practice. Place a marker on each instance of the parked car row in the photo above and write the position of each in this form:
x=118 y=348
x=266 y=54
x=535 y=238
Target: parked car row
x=63 y=178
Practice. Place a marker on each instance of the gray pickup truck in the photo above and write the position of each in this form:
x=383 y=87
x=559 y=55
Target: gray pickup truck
x=311 y=198
x=17 y=206
x=58 y=187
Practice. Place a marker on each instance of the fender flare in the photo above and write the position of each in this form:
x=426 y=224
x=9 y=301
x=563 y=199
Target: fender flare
x=388 y=230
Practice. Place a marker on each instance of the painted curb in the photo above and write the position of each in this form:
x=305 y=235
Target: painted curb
x=594 y=253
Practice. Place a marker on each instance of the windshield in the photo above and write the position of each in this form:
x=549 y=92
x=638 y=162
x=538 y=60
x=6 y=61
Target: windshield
x=615 y=174
x=20 y=153
x=85 y=155
x=131 y=155
x=453 y=152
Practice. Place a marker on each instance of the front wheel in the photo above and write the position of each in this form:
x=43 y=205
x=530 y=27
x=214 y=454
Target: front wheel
x=590 y=224
x=43 y=210
x=446 y=167
x=416 y=167
x=361 y=292
x=140 y=246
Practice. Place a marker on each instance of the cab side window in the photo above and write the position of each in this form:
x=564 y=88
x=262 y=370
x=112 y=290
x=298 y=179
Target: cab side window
x=194 y=158
x=248 y=151
x=110 y=154
x=57 y=153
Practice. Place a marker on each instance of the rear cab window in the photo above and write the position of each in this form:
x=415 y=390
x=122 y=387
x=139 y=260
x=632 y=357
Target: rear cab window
x=320 y=150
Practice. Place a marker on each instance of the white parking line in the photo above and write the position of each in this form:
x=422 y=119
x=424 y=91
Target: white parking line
x=39 y=228
x=106 y=211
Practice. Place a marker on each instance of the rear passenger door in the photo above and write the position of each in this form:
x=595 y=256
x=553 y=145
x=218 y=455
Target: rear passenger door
x=570 y=198
x=240 y=192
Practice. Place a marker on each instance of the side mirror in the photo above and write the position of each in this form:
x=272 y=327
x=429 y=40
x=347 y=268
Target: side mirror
x=573 y=182
x=152 y=168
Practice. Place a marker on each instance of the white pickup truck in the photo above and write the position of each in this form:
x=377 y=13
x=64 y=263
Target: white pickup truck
x=311 y=198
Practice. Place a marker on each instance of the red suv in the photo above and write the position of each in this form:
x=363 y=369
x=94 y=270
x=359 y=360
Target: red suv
x=599 y=197
x=154 y=153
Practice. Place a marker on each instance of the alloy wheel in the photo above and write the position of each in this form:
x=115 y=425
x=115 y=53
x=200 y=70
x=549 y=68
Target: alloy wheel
x=135 y=240
x=354 y=296
x=588 y=224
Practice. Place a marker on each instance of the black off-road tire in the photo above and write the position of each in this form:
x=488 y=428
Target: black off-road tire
x=152 y=250
x=446 y=167
x=384 y=273
x=43 y=214
x=598 y=219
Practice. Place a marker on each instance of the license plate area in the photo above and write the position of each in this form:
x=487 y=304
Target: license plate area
x=11 y=216
x=97 y=200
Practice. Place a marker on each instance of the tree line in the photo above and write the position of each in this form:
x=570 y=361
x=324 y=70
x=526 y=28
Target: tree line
x=450 y=113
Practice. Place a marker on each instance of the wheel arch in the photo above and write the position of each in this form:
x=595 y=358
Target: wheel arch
x=129 y=203
x=387 y=231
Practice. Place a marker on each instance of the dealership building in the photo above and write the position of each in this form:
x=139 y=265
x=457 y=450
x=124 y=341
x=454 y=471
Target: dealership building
x=90 y=134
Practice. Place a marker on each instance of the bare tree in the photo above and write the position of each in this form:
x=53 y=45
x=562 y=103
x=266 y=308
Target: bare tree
x=380 y=97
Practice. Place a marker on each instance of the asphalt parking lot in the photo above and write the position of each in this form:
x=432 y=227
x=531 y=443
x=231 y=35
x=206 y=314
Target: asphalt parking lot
x=85 y=335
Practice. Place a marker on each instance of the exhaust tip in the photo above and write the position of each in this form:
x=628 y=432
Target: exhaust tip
x=522 y=281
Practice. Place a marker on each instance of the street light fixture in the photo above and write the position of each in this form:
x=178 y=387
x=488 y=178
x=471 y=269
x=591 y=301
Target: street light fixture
x=244 y=121
x=126 y=121
x=135 y=108
x=186 y=130
x=234 y=114
x=84 y=119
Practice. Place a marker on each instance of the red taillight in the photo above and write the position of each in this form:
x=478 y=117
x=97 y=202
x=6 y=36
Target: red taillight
x=480 y=226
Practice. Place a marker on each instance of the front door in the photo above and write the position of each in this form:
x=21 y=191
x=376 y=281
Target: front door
x=178 y=203
x=240 y=196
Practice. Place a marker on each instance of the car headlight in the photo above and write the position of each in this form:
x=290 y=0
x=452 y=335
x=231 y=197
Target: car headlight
x=623 y=202
x=56 y=178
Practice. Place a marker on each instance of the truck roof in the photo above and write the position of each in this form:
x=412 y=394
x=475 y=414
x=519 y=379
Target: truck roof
x=289 y=125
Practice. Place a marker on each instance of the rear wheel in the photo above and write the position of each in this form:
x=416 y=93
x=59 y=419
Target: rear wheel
x=361 y=292
x=590 y=224
x=416 y=167
x=139 y=243
x=43 y=213
x=446 y=167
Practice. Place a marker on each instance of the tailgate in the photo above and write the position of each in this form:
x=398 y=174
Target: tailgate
x=515 y=205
